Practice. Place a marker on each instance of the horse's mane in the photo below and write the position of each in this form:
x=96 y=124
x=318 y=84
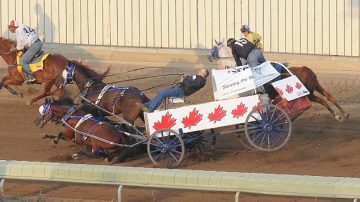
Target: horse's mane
x=90 y=73
x=6 y=41
x=63 y=101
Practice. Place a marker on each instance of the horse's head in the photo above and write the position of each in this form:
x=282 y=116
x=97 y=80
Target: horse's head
x=67 y=76
x=8 y=50
x=221 y=51
x=53 y=111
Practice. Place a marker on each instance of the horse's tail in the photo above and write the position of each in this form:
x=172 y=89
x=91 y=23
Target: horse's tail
x=102 y=75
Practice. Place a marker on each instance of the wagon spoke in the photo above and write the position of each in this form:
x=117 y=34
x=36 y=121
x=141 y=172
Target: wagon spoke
x=278 y=118
x=281 y=130
x=172 y=155
x=262 y=141
x=156 y=158
x=176 y=151
x=272 y=116
x=276 y=134
x=156 y=151
x=257 y=120
x=282 y=123
x=258 y=136
x=174 y=146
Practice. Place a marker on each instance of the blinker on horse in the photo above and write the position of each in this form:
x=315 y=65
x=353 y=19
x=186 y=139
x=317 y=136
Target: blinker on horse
x=305 y=75
x=111 y=100
x=81 y=127
x=53 y=66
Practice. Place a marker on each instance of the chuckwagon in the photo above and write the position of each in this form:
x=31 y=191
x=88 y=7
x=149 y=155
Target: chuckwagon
x=263 y=123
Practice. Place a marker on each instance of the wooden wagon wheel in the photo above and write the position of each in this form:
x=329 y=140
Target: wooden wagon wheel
x=268 y=127
x=166 y=147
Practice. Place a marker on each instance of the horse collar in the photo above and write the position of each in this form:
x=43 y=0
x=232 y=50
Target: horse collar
x=69 y=77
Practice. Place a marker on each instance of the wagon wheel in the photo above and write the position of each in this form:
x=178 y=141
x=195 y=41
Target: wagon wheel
x=166 y=147
x=268 y=127
x=241 y=137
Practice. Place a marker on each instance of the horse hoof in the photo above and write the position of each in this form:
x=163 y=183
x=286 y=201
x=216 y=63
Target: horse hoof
x=339 y=118
x=29 y=102
x=75 y=156
x=346 y=115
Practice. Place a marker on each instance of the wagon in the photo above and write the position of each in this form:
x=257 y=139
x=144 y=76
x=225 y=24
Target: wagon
x=262 y=123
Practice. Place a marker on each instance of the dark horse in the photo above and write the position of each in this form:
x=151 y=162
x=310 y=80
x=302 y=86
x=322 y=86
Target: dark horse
x=115 y=100
x=101 y=137
x=305 y=75
x=53 y=66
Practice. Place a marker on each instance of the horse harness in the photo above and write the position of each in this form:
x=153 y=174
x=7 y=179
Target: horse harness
x=107 y=88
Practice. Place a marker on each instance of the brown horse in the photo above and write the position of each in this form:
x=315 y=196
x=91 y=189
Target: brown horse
x=100 y=136
x=115 y=100
x=305 y=75
x=53 y=66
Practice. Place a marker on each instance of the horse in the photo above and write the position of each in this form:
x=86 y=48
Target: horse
x=53 y=66
x=102 y=138
x=304 y=73
x=111 y=100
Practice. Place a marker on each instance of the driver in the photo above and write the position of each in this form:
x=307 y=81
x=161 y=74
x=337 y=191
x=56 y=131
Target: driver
x=189 y=85
x=244 y=49
x=26 y=37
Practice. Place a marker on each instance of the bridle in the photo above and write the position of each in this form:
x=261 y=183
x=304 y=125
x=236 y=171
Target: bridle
x=69 y=77
x=9 y=53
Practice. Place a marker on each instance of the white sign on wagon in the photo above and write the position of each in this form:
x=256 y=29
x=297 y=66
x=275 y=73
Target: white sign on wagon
x=202 y=116
x=236 y=80
x=290 y=88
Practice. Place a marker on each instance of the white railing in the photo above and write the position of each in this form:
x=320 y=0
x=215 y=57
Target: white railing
x=273 y=184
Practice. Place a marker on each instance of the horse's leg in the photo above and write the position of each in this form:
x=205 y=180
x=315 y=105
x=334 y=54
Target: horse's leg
x=329 y=97
x=46 y=92
x=55 y=138
x=321 y=101
x=7 y=80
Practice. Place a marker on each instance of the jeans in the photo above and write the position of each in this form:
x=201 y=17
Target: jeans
x=169 y=92
x=255 y=58
x=29 y=54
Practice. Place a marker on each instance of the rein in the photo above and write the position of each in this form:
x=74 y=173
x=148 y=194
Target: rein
x=145 y=77
x=133 y=70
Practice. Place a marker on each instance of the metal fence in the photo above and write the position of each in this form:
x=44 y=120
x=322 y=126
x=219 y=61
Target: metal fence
x=274 y=184
x=328 y=27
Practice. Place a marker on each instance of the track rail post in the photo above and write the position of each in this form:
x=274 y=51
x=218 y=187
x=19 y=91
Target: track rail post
x=237 y=195
x=119 y=192
x=2 y=181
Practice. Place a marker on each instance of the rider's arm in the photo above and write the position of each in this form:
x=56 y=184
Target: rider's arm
x=236 y=57
x=21 y=38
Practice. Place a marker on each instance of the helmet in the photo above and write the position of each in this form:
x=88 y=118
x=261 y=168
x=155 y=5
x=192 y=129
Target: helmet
x=230 y=41
x=13 y=24
x=245 y=28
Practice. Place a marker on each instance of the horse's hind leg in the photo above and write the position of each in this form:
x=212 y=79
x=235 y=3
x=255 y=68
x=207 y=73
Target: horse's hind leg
x=8 y=81
x=325 y=104
x=329 y=97
x=46 y=92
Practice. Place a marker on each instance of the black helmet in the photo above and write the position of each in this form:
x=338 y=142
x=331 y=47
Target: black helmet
x=230 y=41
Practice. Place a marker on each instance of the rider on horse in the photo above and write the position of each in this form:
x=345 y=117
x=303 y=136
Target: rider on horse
x=26 y=37
x=251 y=36
x=244 y=49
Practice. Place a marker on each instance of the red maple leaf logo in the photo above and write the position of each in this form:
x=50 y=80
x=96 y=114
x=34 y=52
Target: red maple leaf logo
x=256 y=106
x=298 y=85
x=166 y=122
x=289 y=89
x=281 y=93
x=240 y=110
x=193 y=118
x=217 y=115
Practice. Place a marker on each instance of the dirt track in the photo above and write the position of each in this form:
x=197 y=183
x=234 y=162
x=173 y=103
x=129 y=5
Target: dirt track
x=319 y=146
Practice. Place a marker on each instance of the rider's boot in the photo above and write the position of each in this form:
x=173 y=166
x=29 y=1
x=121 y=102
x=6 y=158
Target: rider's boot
x=29 y=78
